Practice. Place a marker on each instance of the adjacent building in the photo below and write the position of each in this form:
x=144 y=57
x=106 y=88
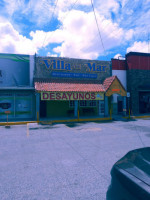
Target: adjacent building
x=17 y=96
x=134 y=73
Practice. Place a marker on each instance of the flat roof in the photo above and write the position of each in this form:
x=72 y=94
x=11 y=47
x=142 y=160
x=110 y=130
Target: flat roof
x=137 y=54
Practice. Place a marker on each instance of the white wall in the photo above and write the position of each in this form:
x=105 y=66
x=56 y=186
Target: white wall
x=122 y=75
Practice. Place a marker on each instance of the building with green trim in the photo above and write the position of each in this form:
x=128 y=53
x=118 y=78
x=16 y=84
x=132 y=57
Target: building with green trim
x=17 y=96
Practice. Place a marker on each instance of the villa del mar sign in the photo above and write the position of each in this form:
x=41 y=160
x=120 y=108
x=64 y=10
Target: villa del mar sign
x=58 y=64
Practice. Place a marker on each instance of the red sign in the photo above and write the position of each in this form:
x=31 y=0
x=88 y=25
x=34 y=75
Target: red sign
x=7 y=112
x=115 y=90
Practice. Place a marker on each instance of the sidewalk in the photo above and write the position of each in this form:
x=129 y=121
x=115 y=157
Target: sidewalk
x=81 y=119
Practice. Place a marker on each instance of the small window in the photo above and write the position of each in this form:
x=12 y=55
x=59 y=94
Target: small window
x=71 y=104
x=83 y=103
x=92 y=103
x=102 y=108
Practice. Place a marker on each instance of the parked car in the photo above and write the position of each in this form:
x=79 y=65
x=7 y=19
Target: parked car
x=131 y=176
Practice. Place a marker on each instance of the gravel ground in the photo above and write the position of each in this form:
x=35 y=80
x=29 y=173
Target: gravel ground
x=65 y=161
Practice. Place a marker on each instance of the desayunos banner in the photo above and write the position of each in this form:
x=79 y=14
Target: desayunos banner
x=64 y=96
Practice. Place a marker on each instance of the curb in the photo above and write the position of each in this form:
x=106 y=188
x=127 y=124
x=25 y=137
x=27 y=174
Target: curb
x=141 y=117
x=56 y=121
x=16 y=123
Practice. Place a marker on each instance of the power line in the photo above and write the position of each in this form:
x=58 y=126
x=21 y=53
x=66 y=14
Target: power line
x=124 y=27
x=50 y=20
x=112 y=33
x=98 y=28
x=63 y=18
x=71 y=8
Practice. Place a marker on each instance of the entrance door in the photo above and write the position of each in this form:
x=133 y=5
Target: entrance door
x=101 y=108
x=42 y=108
x=120 y=107
x=144 y=102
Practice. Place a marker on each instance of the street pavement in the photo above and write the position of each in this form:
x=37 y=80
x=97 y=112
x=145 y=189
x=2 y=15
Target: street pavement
x=65 y=161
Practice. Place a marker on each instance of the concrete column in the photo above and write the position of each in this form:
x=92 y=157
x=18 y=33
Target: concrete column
x=37 y=106
x=124 y=106
x=99 y=108
x=76 y=108
x=106 y=106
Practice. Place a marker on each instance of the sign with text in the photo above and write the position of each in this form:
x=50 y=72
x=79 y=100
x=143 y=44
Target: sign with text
x=70 y=68
x=14 y=70
x=66 y=96
x=54 y=64
x=73 y=75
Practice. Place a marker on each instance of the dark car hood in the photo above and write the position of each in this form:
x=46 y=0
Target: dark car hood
x=133 y=173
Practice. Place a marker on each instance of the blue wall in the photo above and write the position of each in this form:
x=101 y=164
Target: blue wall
x=16 y=95
x=14 y=70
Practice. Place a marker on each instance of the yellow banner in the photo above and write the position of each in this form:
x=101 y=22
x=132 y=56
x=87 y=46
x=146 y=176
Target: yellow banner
x=66 y=96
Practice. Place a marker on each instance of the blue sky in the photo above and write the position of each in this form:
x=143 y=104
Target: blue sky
x=67 y=28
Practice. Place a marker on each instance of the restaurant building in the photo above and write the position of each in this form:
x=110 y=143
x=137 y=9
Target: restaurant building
x=73 y=88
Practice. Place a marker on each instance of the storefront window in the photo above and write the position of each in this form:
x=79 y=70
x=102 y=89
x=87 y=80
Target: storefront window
x=5 y=105
x=71 y=104
x=83 y=103
x=102 y=108
x=92 y=103
x=88 y=103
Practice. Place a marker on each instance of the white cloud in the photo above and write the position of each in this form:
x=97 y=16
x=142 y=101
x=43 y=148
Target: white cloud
x=129 y=34
x=80 y=35
x=37 y=11
x=65 y=5
x=40 y=10
x=11 y=6
x=117 y=56
x=52 y=55
x=84 y=2
x=139 y=47
x=104 y=7
x=12 y=42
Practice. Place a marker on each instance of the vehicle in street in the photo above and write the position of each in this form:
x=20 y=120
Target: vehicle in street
x=131 y=176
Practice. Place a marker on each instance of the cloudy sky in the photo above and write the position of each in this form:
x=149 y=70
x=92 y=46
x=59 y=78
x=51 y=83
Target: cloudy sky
x=70 y=28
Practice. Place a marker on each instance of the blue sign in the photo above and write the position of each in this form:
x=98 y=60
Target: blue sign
x=62 y=65
x=14 y=70
x=73 y=75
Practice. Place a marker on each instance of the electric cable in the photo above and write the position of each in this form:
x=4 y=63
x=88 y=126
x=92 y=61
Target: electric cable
x=123 y=27
x=62 y=20
x=112 y=33
x=98 y=29
x=50 y=21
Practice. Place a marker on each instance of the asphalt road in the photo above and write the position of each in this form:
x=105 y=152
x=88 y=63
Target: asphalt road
x=65 y=162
